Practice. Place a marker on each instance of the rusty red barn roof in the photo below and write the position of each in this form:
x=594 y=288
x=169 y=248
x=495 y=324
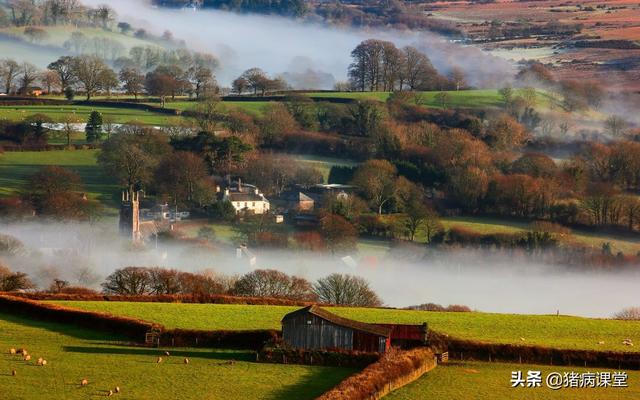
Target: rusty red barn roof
x=346 y=322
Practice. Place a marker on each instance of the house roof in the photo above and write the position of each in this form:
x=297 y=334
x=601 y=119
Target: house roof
x=245 y=196
x=346 y=322
x=296 y=196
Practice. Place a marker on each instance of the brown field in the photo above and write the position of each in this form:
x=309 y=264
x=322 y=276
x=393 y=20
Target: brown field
x=617 y=68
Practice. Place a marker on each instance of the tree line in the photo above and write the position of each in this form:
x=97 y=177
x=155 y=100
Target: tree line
x=380 y=66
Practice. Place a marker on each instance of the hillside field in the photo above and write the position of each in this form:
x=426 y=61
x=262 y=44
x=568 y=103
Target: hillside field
x=562 y=332
x=120 y=115
x=478 y=98
x=74 y=354
x=481 y=381
x=16 y=167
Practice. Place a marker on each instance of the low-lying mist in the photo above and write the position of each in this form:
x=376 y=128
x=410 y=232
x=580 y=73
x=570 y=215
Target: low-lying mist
x=280 y=45
x=86 y=253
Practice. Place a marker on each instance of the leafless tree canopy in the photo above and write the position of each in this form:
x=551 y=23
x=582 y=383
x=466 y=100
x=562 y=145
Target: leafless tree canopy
x=347 y=290
x=272 y=283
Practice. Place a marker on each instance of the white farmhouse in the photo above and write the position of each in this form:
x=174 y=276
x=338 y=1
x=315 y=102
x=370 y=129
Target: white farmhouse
x=246 y=199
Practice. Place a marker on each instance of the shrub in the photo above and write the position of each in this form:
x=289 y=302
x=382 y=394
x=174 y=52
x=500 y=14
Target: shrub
x=630 y=313
x=14 y=281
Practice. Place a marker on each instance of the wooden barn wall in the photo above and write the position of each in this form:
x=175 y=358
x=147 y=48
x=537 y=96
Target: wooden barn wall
x=319 y=334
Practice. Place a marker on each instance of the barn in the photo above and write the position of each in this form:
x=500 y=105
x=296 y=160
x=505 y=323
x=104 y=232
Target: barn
x=315 y=328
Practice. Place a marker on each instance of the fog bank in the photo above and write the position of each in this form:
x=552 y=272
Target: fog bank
x=85 y=254
x=280 y=45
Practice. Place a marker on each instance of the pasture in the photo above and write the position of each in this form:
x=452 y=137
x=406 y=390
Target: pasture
x=479 y=381
x=563 y=332
x=484 y=98
x=628 y=244
x=57 y=113
x=74 y=354
x=16 y=167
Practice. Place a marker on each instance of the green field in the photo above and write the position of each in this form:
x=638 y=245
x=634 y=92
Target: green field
x=482 y=381
x=252 y=107
x=74 y=354
x=484 y=98
x=57 y=35
x=16 y=167
x=560 y=332
x=57 y=114
x=628 y=244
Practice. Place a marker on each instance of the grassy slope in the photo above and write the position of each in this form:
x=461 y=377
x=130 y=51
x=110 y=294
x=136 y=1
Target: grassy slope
x=628 y=244
x=16 y=167
x=480 y=381
x=560 y=332
x=57 y=35
x=484 y=98
x=74 y=354
x=57 y=113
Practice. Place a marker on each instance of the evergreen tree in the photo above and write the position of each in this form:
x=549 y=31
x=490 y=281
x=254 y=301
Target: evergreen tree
x=94 y=127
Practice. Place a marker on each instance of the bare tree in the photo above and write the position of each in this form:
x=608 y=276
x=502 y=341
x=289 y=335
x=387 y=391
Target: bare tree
x=630 y=313
x=9 y=70
x=50 y=80
x=28 y=75
x=69 y=125
x=64 y=67
x=89 y=71
x=346 y=289
x=616 y=126
x=272 y=283
x=128 y=281
x=132 y=81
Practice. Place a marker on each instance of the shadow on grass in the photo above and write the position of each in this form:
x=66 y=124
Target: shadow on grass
x=312 y=384
x=222 y=355
x=64 y=329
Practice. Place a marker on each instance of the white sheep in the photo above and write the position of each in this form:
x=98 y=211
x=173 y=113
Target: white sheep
x=27 y=358
x=12 y=351
x=186 y=360
x=14 y=372
x=84 y=382
x=166 y=353
x=40 y=360
x=117 y=389
x=44 y=363
x=159 y=360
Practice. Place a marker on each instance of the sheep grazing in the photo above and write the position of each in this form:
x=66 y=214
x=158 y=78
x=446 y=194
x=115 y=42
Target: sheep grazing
x=117 y=389
x=22 y=351
x=14 y=372
x=166 y=353
x=84 y=382
x=627 y=342
x=27 y=358
x=44 y=363
x=110 y=393
x=12 y=351
x=186 y=361
x=159 y=360
x=601 y=342
x=522 y=339
x=40 y=360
